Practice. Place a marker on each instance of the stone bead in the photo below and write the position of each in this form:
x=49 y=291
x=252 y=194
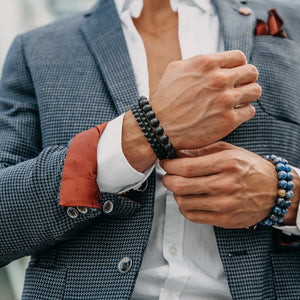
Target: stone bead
x=277 y=210
x=280 y=167
x=287 y=204
x=290 y=185
x=150 y=115
x=289 y=195
x=288 y=168
x=282 y=184
x=267 y=222
x=168 y=147
x=282 y=175
x=274 y=218
x=280 y=220
x=147 y=108
x=172 y=154
x=159 y=130
x=281 y=202
x=281 y=193
x=154 y=122
x=143 y=102
x=289 y=176
x=164 y=139
x=277 y=160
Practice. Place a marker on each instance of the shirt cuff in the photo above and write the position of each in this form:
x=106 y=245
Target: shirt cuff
x=289 y=230
x=115 y=174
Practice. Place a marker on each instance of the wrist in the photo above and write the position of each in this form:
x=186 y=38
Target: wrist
x=135 y=147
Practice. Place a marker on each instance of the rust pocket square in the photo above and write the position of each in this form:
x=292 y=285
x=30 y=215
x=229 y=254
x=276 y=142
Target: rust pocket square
x=273 y=27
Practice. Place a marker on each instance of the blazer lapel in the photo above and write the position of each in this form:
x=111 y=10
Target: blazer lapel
x=103 y=33
x=237 y=29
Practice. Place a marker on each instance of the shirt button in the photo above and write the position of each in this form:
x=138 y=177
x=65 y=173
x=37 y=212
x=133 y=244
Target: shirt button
x=246 y=11
x=125 y=265
x=173 y=251
x=108 y=207
x=82 y=209
x=72 y=212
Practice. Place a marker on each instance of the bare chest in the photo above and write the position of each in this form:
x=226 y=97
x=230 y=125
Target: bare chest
x=160 y=51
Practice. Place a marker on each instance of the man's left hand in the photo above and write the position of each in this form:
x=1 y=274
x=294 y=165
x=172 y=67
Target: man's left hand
x=222 y=185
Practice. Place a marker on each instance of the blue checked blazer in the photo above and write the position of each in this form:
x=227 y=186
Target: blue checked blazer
x=69 y=76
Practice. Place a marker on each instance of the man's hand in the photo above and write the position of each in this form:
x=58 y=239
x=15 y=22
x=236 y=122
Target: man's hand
x=200 y=100
x=222 y=185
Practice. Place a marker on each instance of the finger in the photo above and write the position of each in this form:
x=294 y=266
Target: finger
x=180 y=185
x=202 y=217
x=193 y=166
x=244 y=113
x=242 y=74
x=247 y=93
x=230 y=59
x=211 y=149
x=215 y=218
x=202 y=202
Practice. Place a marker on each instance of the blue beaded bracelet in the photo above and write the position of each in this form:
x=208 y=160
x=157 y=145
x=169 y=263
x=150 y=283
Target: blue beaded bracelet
x=284 y=193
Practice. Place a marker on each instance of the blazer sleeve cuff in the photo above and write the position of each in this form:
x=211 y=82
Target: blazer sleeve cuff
x=78 y=184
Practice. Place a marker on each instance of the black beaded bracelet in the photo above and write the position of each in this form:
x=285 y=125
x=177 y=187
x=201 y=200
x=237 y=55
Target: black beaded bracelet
x=152 y=130
x=157 y=130
x=152 y=140
x=285 y=194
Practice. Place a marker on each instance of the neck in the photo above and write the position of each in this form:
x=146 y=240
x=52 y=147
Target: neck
x=157 y=14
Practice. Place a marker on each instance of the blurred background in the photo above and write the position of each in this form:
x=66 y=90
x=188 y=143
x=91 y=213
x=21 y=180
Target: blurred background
x=17 y=16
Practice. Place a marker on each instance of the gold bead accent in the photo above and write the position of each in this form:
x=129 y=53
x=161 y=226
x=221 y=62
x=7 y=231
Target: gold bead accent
x=281 y=193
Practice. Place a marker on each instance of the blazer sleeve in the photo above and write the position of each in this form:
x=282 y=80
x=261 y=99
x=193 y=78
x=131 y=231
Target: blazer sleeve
x=31 y=218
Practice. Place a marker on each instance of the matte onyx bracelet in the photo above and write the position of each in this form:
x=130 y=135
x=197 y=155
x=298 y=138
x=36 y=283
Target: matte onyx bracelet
x=151 y=138
x=284 y=193
x=152 y=130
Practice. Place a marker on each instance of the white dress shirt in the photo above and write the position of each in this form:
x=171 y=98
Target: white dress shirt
x=181 y=260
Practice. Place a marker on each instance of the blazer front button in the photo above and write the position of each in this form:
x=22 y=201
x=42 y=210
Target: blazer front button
x=125 y=265
x=108 y=207
x=82 y=209
x=72 y=212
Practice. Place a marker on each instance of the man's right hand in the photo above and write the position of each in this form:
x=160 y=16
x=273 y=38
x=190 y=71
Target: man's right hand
x=202 y=99
x=198 y=102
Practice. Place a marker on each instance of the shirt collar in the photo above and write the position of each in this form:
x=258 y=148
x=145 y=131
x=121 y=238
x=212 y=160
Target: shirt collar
x=135 y=6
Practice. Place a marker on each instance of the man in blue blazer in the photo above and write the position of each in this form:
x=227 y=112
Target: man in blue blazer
x=124 y=240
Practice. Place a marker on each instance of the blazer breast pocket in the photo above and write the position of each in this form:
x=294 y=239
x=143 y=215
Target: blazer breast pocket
x=278 y=63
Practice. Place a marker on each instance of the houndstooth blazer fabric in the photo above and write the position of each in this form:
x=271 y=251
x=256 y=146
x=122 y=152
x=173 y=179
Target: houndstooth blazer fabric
x=67 y=77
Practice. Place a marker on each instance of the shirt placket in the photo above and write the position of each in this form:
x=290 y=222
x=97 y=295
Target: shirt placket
x=173 y=251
